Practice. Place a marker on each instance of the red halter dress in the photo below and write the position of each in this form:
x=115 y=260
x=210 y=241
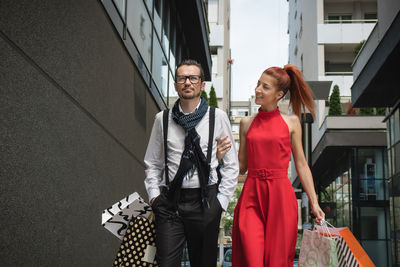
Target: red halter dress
x=265 y=218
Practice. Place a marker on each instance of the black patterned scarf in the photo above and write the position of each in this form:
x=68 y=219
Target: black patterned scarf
x=192 y=156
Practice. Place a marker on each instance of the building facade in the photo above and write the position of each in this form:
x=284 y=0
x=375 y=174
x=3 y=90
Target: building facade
x=377 y=85
x=81 y=84
x=219 y=23
x=347 y=153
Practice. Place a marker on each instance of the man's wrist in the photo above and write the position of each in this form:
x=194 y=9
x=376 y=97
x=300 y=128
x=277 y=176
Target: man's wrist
x=221 y=164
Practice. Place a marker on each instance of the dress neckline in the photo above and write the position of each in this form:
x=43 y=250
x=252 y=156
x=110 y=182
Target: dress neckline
x=268 y=114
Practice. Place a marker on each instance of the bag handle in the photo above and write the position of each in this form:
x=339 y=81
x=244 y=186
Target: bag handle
x=325 y=228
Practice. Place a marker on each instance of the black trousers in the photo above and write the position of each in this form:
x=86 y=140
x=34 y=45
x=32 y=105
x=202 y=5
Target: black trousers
x=192 y=223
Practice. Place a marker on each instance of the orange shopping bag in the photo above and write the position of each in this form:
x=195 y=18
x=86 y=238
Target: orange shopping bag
x=350 y=252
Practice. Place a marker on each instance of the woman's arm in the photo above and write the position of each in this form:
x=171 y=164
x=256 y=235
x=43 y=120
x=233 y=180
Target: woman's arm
x=244 y=126
x=302 y=167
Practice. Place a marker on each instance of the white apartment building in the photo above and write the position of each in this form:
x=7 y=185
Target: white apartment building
x=347 y=153
x=323 y=35
x=219 y=24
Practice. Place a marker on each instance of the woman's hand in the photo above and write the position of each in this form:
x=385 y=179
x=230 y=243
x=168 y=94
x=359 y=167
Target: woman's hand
x=223 y=146
x=318 y=213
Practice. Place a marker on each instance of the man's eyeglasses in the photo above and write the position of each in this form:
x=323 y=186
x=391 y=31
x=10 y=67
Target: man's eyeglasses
x=194 y=79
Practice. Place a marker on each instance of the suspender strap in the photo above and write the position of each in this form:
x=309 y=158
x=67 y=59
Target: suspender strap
x=165 y=132
x=210 y=135
x=210 y=140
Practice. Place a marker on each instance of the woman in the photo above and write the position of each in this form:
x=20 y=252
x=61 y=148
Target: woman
x=265 y=218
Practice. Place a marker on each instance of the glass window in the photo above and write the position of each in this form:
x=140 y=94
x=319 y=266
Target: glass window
x=213 y=11
x=333 y=19
x=396 y=158
x=373 y=223
x=371 y=169
x=157 y=16
x=346 y=18
x=173 y=96
x=395 y=214
x=121 y=7
x=339 y=18
x=139 y=26
x=396 y=126
x=172 y=40
x=160 y=68
x=370 y=17
x=370 y=163
x=179 y=48
x=166 y=26
x=377 y=251
x=149 y=4
x=391 y=130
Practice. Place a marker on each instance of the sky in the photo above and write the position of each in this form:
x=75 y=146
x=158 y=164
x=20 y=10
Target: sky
x=259 y=40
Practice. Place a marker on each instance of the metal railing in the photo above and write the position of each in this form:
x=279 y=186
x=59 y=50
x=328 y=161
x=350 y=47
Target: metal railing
x=347 y=21
x=338 y=73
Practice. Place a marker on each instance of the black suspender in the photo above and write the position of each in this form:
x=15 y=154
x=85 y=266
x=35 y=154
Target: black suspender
x=210 y=140
x=165 y=132
x=210 y=136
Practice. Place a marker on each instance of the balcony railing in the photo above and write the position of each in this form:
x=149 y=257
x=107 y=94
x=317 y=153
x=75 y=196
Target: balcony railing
x=331 y=21
x=338 y=73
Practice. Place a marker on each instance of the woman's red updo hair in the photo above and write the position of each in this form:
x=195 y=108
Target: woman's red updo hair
x=290 y=79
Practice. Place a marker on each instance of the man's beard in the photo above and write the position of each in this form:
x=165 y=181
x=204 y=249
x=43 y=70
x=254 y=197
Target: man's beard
x=187 y=97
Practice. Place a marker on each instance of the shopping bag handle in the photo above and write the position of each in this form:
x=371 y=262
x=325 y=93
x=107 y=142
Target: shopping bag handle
x=325 y=228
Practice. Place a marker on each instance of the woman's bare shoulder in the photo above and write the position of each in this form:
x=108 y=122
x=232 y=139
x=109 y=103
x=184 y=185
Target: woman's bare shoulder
x=291 y=120
x=246 y=121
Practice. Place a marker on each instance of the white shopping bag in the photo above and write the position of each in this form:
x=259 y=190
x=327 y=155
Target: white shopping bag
x=116 y=218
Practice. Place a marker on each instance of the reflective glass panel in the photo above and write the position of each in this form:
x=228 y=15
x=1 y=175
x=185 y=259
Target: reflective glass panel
x=377 y=251
x=157 y=16
x=371 y=170
x=166 y=26
x=149 y=4
x=160 y=68
x=121 y=7
x=139 y=26
x=396 y=126
x=173 y=96
x=373 y=223
x=172 y=40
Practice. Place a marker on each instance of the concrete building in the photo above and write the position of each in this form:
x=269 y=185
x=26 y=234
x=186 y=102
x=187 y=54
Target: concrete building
x=81 y=82
x=346 y=153
x=219 y=23
x=376 y=84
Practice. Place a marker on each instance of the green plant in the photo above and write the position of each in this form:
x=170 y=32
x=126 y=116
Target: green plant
x=204 y=95
x=381 y=111
x=227 y=219
x=335 y=107
x=358 y=47
x=213 y=102
x=367 y=111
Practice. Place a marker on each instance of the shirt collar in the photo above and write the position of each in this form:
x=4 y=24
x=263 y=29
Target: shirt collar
x=180 y=109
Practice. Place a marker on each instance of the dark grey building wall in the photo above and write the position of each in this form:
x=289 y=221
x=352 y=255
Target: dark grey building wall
x=75 y=120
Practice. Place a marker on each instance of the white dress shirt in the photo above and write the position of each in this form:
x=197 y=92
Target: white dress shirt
x=154 y=158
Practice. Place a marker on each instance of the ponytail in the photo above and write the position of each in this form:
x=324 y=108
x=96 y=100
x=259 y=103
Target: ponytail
x=290 y=79
x=301 y=95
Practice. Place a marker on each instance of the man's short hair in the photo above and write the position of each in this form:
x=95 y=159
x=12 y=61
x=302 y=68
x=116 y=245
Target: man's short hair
x=191 y=62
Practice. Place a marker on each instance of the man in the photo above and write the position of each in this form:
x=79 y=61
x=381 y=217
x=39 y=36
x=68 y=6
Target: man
x=188 y=207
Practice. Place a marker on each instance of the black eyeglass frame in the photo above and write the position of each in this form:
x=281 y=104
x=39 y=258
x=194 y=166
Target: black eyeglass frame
x=190 y=77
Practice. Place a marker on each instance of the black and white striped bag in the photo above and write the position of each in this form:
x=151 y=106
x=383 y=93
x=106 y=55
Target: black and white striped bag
x=116 y=218
x=345 y=256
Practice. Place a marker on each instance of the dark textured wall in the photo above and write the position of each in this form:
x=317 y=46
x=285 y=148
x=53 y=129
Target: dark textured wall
x=72 y=140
